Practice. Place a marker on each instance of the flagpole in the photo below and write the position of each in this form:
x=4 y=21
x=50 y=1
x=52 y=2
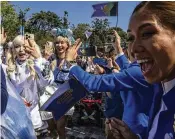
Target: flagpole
x=117 y=15
x=117 y=22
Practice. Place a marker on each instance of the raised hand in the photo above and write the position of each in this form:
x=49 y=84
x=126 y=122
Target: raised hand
x=99 y=70
x=115 y=133
x=110 y=64
x=71 y=53
x=30 y=46
x=117 y=44
x=3 y=36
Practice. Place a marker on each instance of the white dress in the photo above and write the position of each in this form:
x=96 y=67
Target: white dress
x=28 y=88
x=16 y=120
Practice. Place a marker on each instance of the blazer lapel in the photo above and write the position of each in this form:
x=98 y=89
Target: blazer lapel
x=168 y=99
x=158 y=92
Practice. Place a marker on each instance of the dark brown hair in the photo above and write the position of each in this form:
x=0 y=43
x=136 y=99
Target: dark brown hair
x=164 y=11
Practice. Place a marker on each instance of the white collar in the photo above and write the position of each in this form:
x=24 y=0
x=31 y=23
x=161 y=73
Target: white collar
x=21 y=65
x=167 y=86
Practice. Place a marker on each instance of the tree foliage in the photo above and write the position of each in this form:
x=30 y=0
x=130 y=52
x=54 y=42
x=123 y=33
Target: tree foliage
x=40 y=24
x=79 y=31
x=43 y=22
x=101 y=32
x=9 y=18
x=100 y=29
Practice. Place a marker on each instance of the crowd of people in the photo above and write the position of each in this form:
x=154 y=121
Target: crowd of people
x=137 y=82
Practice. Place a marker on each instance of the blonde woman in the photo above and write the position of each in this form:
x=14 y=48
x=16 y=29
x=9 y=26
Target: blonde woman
x=60 y=70
x=13 y=125
x=24 y=68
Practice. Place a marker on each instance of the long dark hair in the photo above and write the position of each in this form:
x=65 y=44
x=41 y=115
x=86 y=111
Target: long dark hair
x=164 y=11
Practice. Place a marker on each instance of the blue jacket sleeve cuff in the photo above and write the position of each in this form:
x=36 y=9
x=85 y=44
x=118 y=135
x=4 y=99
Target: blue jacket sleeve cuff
x=119 y=55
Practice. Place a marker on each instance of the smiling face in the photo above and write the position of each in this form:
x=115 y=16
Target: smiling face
x=61 y=45
x=19 y=49
x=153 y=46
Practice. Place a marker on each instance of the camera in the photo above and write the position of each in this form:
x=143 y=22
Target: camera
x=88 y=51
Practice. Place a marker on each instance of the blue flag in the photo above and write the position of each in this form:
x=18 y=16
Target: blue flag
x=105 y=9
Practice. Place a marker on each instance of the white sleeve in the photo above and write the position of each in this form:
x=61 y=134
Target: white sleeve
x=43 y=81
x=38 y=62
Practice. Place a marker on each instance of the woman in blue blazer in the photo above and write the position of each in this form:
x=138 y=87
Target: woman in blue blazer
x=136 y=92
x=152 y=40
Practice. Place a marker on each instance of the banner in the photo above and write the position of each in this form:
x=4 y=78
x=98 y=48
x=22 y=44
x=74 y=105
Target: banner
x=105 y=9
x=64 y=98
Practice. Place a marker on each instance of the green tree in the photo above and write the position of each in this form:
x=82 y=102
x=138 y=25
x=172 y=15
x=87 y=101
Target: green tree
x=79 y=31
x=43 y=22
x=22 y=15
x=42 y=39
x=100 y=29
x=10 y=20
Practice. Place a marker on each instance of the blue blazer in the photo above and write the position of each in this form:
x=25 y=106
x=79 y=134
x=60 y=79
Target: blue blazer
x=165 y=129
x=113 y=106
x=123 y=62
x=137 y=101
x=4 y=93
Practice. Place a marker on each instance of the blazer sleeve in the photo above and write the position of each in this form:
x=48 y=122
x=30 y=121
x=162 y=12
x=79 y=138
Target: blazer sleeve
x=130 y=78
x=123 y=62
x=4 y=93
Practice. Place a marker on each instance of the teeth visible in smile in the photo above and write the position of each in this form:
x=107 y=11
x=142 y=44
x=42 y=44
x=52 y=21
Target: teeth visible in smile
x=143 y=61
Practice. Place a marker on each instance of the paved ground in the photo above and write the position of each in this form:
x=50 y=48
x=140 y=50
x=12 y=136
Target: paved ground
x=88 y=132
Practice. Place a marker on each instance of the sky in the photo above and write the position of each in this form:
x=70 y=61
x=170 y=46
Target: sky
x=79 y=11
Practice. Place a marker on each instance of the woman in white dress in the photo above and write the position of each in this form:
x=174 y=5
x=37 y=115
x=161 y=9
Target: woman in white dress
x=24 y=68
x=15 y=118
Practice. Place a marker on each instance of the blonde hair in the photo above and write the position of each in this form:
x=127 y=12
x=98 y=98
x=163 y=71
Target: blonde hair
x=11 y=59
x=65 y=39
x=59 y=38
x=49 y=47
